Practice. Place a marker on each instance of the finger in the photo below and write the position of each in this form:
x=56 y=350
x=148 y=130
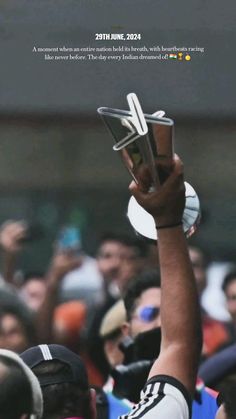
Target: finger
x=144 y=178
x=176 y=174
x=178 y=162
x=137 y=193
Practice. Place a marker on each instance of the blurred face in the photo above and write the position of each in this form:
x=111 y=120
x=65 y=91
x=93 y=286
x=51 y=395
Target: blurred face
x=146 y=315
x=12 y=334
x=197 y=260
x=230 y=294
x=117 y=262
x=33 y=293
x=113 y=353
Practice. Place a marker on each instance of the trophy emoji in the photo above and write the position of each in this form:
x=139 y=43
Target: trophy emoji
x=143 y=141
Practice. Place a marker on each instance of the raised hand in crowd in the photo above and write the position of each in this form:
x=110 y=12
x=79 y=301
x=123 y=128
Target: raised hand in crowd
x=12 y=235
x=62 y=262
x=175 y=370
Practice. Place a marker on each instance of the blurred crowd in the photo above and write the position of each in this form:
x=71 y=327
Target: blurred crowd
x=106 y=309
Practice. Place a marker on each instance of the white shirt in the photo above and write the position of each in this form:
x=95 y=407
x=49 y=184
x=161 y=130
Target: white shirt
x=163 y=397
x=83 y=283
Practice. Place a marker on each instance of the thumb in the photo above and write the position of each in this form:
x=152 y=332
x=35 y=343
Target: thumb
x=137 y=193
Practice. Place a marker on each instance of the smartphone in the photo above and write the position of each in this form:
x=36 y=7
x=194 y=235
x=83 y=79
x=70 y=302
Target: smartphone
x=69 y=239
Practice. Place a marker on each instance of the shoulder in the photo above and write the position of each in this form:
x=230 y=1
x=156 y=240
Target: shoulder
x=162 y=396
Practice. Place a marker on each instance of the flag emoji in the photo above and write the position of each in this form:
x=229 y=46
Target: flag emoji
x=173 y=56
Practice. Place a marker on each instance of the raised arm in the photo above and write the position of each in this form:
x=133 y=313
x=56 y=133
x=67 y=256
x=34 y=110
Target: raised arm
x=12 y=234
x=180 y=314
x=61 y=263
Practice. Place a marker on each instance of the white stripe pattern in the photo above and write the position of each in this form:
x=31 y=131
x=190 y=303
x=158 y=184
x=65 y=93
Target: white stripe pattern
x=143 y=404
x=162 y=403
x=45 y=352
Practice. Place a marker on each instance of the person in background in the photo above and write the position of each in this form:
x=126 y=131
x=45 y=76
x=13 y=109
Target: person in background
x=69 y=321
x=199 y=264
x=229 y=288
x=61 y=263
x=12 y=236
x=17 y=327
x=20 y=393
x=63 y=380
x=142 y=302
x=85 y=281
x=53 y=322
x=45 y=321
x=215 y=333
x=75 y=284
x=219 y=368
x=219 y=371
x=227 y=401
x=110 y=332
x=119 y=258
x=33 y=290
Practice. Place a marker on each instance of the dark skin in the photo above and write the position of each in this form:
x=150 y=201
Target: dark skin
x=181 y=342
x=11 y=235
x=62 y=262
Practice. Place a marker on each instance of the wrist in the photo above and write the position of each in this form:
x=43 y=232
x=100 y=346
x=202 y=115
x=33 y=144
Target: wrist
x=53 y=279
x=167 y=220
x=168 y=226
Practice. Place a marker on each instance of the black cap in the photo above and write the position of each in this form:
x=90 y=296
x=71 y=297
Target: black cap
x=45 y=353
x=218 y=366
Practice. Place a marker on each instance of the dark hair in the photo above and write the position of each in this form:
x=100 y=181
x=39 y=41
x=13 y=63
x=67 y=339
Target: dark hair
x=139 y=284
x=23 y=315
x=39 y=275
x=230 y=277
x=15 y=393
x=138 y=244
x=228 y=398
x=62 y=399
